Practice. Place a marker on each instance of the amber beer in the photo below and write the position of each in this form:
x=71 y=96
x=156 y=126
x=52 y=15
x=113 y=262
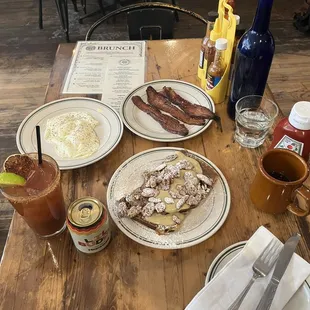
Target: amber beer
x=88 y=223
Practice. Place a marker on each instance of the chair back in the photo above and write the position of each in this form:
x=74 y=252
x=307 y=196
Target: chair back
x=140 y=6
x=150 y=24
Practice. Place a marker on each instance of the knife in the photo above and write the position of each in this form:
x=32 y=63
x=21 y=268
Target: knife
x=281 y=265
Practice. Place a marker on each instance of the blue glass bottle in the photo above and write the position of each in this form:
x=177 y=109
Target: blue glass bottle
x=253 y=58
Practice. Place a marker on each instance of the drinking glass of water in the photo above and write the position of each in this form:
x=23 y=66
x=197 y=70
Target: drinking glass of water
x=254 y=117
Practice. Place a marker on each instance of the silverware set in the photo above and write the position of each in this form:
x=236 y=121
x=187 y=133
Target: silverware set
x=274 y=253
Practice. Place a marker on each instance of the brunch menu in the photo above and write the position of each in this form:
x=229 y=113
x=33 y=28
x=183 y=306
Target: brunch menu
x=110 y=68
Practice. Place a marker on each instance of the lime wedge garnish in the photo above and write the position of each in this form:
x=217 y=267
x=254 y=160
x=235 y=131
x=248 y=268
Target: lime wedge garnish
x=11 y=179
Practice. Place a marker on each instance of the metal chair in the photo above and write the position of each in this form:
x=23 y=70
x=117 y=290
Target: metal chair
x=102 y=9
x=154 y=24
x=139 y=6
x=301 y=19
x=117 y=3
x=62 y=9
x=173 y=2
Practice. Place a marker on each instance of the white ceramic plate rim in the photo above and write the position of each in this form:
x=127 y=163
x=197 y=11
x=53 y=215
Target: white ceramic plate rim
x=227 y=251
x=177 y=246
x=85 y=162
x=216 y=260
x=176 y=139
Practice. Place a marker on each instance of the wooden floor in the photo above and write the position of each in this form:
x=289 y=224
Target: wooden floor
x=27 y=54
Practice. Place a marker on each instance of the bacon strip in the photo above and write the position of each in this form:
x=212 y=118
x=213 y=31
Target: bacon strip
x=191 y=109
x=160 y=102
x=167 y=122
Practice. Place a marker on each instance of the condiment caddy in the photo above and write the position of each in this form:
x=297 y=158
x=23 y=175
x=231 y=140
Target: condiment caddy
x=223 y=28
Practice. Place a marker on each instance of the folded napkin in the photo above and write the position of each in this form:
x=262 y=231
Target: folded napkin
x=222 y=290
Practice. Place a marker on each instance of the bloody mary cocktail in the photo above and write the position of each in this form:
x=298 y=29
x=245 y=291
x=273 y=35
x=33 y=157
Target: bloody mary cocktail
x=40 y=201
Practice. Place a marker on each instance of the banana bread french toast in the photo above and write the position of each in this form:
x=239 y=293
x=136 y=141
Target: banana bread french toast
x=169 y=191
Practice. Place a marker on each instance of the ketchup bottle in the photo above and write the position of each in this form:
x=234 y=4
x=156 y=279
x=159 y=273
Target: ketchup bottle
x=293 y=132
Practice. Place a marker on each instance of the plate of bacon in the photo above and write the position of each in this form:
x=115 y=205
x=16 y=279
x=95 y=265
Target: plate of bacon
x=168 y=111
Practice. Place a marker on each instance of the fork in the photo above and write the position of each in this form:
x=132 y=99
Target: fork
x=261 y=268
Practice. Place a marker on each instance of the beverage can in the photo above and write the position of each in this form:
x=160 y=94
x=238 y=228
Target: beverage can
x=88 y=223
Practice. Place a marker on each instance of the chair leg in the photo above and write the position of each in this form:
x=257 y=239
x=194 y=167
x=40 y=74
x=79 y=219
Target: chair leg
x=101 y=11
x=97 y=12
x=101 y=7
x=117 y=4
x=62 y=8
x=176 y=15
x=83 y=4
x=40 y=14
x=75 y=5
x=89 y=15
x=66 y=20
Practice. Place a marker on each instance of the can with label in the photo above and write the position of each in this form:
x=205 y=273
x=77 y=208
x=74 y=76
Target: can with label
x=88 y=223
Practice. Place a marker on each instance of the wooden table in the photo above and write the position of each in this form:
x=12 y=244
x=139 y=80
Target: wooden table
x=39 y=274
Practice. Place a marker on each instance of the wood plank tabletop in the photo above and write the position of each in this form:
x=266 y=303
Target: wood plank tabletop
x=52 y=274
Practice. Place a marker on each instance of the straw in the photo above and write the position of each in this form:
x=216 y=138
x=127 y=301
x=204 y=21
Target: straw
x=39 y=145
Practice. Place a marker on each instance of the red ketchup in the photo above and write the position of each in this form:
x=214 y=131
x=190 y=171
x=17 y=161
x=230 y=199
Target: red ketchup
x=293 y=132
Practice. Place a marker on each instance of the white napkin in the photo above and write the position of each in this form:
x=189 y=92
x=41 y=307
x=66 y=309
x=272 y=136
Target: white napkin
x=222 y=290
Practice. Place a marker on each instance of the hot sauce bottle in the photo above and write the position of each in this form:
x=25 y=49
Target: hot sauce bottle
x=212 y=16
x=232 y=4
x=293 y=132
x=217 y=67
x=210 y=51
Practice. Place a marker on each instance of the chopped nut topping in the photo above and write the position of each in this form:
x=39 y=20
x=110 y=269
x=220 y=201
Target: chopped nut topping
x=190 y=188
x=161 y=229
x=134 y=211
x=181 y=202
x=148 y=209
x=149 y=192
x=122 y=209
x=201 y=190
x=173 y=171
x=181 y=190
x=129 y=198
x=190 y=178
x=176 y=219
x=169 y=200
x=174 y=194
x=184 y=164
x=160 y=167
x=194 y=200
x=151 y=182
x=155 y=200
x=160 y=207
x=203 y=178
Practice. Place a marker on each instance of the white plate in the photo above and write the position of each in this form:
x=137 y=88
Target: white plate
x=109 y=131
x=301 y=299
x=146 y=127
x=200 y=223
